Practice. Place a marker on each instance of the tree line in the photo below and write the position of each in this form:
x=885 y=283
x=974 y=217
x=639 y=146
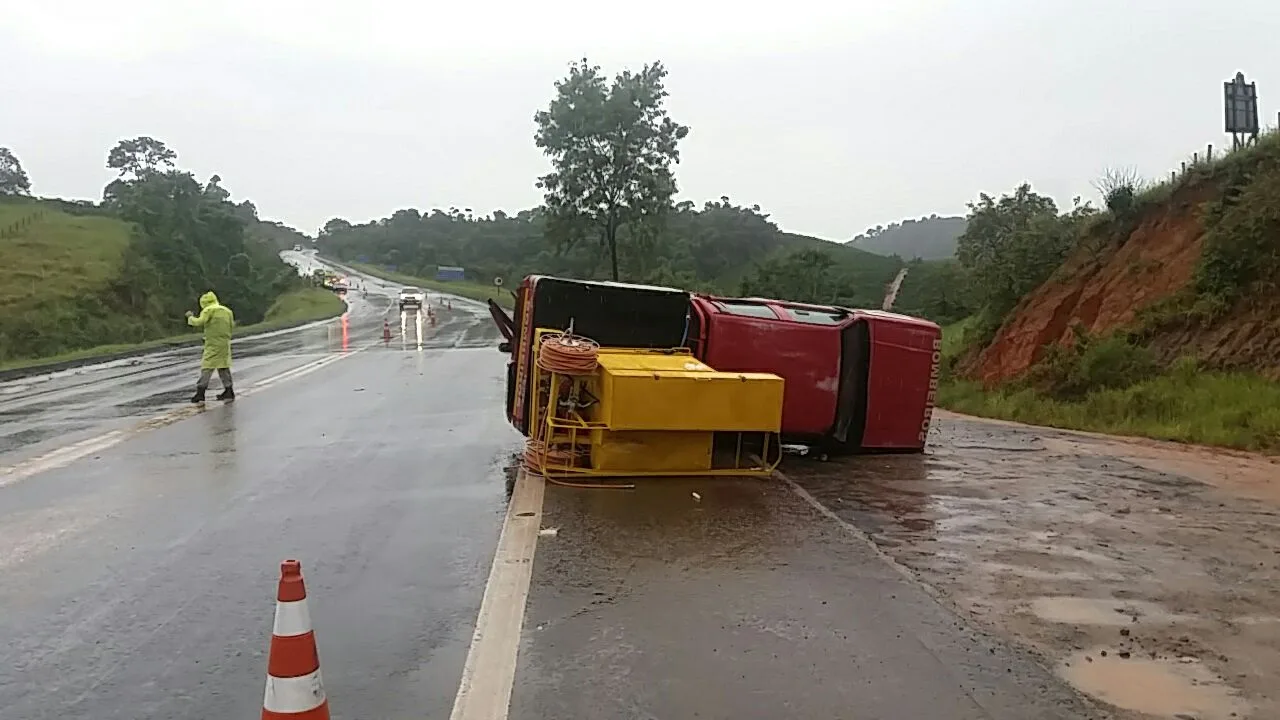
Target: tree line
x=190 y=238
x=187 y=237
x=608 y=212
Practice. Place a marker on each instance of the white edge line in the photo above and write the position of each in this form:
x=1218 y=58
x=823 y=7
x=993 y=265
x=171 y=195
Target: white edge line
x=488 y=675
x=830 y=514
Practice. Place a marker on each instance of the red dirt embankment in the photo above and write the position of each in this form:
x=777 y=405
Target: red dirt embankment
x=1101 y=290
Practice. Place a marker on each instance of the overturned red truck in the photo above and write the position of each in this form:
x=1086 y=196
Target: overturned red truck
x=856 y=381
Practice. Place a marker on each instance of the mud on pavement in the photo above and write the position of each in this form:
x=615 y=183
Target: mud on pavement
x=1142 y=574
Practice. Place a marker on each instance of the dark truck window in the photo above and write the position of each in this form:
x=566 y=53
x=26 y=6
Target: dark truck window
x=816 y=317
x=748 y=309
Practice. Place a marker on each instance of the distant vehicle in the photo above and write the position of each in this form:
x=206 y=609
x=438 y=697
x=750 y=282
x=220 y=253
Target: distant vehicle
x=341 y=285
x=297 y=248
x=412 y=297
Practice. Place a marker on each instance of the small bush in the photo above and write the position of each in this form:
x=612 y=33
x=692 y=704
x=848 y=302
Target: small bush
x=1071 y=372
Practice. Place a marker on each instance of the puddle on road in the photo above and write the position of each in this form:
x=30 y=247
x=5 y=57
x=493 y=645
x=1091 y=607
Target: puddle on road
x=1163 y=688
x=1099 y=611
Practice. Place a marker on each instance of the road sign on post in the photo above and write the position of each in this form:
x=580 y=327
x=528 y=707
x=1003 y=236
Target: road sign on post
x=497 y=281
x=1241 y=106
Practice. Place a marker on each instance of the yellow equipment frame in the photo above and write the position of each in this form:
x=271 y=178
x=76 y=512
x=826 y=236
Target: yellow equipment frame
x=574 y=433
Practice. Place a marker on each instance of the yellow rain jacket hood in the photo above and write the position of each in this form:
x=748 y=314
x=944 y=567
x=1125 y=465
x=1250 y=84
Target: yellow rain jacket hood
x=217 y=321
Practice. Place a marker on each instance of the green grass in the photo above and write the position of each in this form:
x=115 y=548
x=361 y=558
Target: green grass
x=302 y=306
x=465 y=288
x=1235 y=410
x=292 y=308
x=953 y=335
x=1183 y=404
x=61 y=257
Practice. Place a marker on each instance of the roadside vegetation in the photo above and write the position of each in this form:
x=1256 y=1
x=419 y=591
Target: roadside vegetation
x=296 y=307
x=1114 y=386
x=84 y=278
x=1151 y=377
x=609 y=213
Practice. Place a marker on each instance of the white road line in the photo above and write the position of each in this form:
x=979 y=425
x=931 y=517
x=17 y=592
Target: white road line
x=64 y=456
x=866 y=539
x=490 y=670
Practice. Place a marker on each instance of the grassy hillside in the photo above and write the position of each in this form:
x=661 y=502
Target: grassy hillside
x=55 y=263
x=1160 y=321
x=66 y=288
x=58 y=257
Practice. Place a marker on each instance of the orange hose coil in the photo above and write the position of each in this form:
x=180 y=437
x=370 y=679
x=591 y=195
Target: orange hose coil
x=567 y=354
x=575 y=356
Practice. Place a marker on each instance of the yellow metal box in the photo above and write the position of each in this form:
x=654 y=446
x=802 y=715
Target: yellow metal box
x=639 y=451
x=660 y=391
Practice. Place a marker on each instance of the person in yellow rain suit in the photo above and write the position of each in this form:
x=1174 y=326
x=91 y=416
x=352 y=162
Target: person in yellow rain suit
x=217 y=321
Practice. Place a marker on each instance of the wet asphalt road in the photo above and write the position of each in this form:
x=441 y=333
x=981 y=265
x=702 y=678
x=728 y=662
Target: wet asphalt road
x=747 y=602
x=139 y=582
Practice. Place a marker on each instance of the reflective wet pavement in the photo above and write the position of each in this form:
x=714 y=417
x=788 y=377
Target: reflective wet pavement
x=139 y=582
x=1138 y=576
x=45 y=411
x=738 y=599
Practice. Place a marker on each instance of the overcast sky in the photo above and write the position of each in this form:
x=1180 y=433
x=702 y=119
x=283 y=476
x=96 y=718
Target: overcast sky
x=832 y=116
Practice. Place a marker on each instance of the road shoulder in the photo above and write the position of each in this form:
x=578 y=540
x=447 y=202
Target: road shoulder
x=744 y=601
x=1149 y=589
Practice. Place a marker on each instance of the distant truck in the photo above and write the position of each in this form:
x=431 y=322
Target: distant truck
x=856 y=381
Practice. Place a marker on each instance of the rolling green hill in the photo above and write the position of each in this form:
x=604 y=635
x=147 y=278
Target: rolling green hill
x=929 y=238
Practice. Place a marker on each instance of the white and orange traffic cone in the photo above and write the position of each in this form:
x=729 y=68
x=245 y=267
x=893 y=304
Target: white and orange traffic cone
x=294 y=688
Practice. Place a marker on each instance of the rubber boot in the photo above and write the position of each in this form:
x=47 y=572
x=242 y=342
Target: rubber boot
x=227 y=395
x=199 y=396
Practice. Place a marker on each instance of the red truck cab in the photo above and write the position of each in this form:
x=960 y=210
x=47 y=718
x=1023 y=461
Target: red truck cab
x=856 y=380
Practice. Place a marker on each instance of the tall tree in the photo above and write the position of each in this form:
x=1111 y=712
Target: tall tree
x=139 y=156
x=13 y=179
x=612 y=148
x=1013 y=244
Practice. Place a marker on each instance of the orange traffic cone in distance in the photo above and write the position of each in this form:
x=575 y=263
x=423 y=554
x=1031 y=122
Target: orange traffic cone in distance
x=294 y=688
